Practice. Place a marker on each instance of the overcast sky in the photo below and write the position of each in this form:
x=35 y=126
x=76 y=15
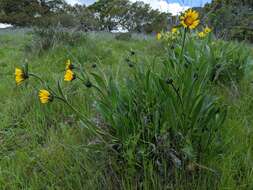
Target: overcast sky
x=172 y=6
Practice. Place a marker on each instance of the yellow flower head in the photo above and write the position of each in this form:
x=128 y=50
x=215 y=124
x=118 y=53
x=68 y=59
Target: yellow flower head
x=69 y=75
x=174 y=30
x=45 y=96
x=207 y=30
x=190 y=19
x=202 y=34
x=69 y=65
x=158 y=36
x=20 y=76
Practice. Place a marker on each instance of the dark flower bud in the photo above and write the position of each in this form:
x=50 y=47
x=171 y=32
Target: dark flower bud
x=217 y=66
x=195 y=76
x=117 y=147
x=169 y=81
x=131 y=65
x=88 y=84
x=127 y=60
x=132 y=52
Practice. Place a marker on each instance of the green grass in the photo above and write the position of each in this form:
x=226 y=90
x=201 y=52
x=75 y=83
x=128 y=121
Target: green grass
x=47 y=147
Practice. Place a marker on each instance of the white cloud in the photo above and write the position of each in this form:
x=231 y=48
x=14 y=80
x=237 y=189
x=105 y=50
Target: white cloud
x=164 y=6
x=2 y=25
x=73 y=2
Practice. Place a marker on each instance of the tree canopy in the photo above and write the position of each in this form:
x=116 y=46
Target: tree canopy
x=26 y=12
x=138 y=16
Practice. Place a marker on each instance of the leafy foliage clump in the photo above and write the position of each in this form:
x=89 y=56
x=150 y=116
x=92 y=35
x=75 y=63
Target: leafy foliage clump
x=161 y=117
x=47 y=38
x=229 y=62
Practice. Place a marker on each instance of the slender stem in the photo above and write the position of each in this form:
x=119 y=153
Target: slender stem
x=98 y=89
x=180 y=98
x=53 y=92
x=81 y=79
x=66 y=102
x=206 y=168
x=183 y=45
x=37 y=77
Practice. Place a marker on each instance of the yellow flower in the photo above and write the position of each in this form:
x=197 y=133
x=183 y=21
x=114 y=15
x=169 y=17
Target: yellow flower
x=20 y=76
x=202 y=34
x=158 y=36
x=190 y=19
x=207 y=30
x=69 y=75
x=174 y=30
x=69 y=65
x=45 y=96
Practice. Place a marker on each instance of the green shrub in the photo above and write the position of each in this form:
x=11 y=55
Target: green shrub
x=46 y=38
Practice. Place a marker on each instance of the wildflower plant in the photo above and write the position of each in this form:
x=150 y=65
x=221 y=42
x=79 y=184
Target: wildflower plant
x=45 y=96
x=205 y=32
x=201 y=34
x=21 y=74
x=150 y=117
x=69 y=75
x=161 y=114
x=170 y=38
x=190 y=19
x=174 y=30
x=160 y=117
x=158 y=36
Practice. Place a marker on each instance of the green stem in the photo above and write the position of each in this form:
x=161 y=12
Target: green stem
x=81 y=79
x=37 y=77
x=183 y=45
x=98 y=89
x=179 y=97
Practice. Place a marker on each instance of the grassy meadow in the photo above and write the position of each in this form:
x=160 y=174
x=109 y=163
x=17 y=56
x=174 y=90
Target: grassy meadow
x=155 y=117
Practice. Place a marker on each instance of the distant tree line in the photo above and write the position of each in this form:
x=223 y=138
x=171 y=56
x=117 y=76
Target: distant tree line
x=231 y=19
x=103 y=15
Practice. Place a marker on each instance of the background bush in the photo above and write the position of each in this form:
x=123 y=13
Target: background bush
x=50 y=37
